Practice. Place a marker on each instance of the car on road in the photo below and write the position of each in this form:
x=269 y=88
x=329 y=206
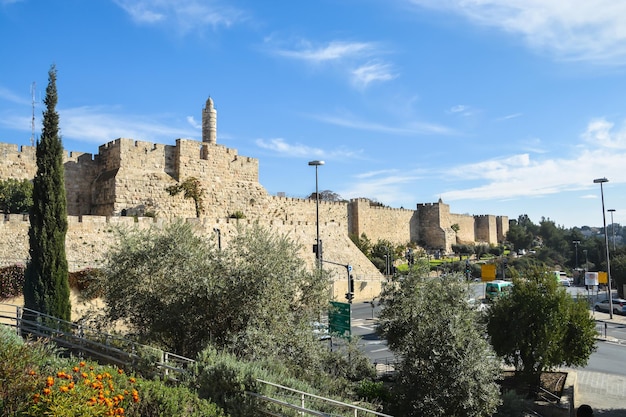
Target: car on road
x=566 y=282
x=320 y=330
x=477 y=304
x=619 y=306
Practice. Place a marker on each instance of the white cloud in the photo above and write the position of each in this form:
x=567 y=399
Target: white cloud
x=335 y=50
x=187 y=15
x=283 y=148
x=600 y=133
x=384 y=186
x=10 y=96
x=192 y=121
x=370 y=72
x=360 y=61
x=413 y=128
x=569 y=29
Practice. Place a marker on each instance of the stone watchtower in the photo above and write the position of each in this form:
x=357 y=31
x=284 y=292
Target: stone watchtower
x=209 y=123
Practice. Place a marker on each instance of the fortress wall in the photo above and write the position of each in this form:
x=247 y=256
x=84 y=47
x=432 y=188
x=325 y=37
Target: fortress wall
x=502 y=224
x=379 y=223
x=486 y=229
x=89 y=237
x=18 y=163
x=466 y=227
x=432 y=234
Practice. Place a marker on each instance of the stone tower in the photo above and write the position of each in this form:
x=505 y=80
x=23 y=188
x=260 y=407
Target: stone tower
x=209 y=123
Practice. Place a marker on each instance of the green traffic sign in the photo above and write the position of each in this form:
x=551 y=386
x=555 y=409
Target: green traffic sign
x=339 y=318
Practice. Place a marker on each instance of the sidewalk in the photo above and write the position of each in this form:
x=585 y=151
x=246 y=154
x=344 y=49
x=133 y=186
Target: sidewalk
x=605 y=393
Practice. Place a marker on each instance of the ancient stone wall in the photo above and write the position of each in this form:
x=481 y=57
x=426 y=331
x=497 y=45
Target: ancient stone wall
x=466 y=233
x=486 y=229
x=381 y=223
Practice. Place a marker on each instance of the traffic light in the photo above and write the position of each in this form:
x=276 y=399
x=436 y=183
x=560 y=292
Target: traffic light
x=349 y=296
x=351 y=286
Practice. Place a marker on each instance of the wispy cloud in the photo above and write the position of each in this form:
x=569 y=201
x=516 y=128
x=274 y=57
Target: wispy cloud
x=12 y=97
x=385 y=186
x=361 y=61
x=602 y=153
x=569 y=29
x=98 y=124
x=186 y=15
x=371 y=72
x=282 y=148
x=509 y=116
x=102 y=124
x=412 y=128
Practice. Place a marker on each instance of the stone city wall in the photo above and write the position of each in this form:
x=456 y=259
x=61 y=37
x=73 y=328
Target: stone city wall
x=398 y=226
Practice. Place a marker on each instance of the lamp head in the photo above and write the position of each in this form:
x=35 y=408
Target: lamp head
x=316 y=163
x=600 y=180
x=611 y=210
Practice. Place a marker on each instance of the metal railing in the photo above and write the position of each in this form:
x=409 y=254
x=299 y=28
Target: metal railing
x=117 y=350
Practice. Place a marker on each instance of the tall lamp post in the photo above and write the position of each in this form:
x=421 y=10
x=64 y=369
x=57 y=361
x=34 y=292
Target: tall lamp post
x=318 y=246
x=576 y=243
x=606 y=243
x=612 y=228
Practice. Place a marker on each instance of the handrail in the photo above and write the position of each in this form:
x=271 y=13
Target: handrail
x=167 y=361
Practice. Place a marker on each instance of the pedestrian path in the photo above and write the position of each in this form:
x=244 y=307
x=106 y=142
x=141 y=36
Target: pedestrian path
x=603 y=392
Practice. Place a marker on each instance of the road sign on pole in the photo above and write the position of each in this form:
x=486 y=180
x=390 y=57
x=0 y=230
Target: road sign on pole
x=339 y=318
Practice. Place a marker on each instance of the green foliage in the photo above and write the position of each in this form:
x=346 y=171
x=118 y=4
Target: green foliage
x=373 y=391
x=16 y=196
x=82 y=281
x=447 y=367
x=254 y=297
x=11 y=281
x=539 y=326
x=19 y=365
x=46 y=287
x=237 y=215
x=158 y=399
x=512 y=405
x=191 y=188
x=35 y=381
x=363 y=243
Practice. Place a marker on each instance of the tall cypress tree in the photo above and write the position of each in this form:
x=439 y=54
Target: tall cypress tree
x=46 y=286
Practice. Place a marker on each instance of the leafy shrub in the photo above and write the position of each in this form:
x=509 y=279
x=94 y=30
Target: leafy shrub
x=17 y=361
x=158 y=399
x=11 y=281
x=84 y=281
x=373 y=391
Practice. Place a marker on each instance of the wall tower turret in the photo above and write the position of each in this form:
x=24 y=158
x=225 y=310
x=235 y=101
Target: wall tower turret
x=209 y=122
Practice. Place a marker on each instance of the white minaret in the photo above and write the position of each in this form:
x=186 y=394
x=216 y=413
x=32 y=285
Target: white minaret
x=209 y=123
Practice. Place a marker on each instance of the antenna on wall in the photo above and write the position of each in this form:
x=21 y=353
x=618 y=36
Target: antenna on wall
x=32 y=123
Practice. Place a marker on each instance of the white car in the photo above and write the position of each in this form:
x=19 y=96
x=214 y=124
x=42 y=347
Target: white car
x=566 y=282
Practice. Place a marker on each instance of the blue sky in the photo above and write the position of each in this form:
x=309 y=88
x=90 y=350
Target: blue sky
x=503 y=107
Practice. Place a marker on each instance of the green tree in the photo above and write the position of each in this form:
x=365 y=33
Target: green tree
x=16 y=196
x=253 y=297
x=538 y=326
x=447 y=366
x=363 y=243
x=46 y=287
x=191 y=188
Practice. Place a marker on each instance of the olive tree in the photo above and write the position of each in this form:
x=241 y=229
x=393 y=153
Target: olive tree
x=538 y=326
x=447 y=366
x=253 y=297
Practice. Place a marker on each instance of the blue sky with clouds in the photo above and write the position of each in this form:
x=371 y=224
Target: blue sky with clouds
x=502 y=107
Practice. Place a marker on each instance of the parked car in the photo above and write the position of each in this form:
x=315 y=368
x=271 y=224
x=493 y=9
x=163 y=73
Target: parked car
x=619 y=306
x=566 y=282
x=320 y=330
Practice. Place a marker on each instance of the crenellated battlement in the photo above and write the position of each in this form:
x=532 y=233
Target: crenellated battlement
x=125 y=184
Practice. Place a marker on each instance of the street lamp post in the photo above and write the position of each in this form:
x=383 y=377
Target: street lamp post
x=576 y=243
x=612 y=228
x=318 y=245
x=586 y=261
x=606 y=243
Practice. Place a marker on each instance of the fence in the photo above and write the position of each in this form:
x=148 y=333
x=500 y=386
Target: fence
x=116 y=350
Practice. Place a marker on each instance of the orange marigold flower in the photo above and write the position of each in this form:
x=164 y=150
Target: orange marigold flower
x=84 y=375
x=36 y=398
x=60 y=374
x=119 y=411
x=31 y=372
x=46 y=391
x=64 y=388
x=132 y=380
x=75 y=369
x=120 y=371
x=49 y=381
x=91 y=368
x=71 y=385
x=99 y=377
x=81 y=364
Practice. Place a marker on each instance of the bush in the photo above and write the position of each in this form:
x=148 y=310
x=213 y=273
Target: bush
x=85 y=280
x=159 y=399
x=11 y=281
